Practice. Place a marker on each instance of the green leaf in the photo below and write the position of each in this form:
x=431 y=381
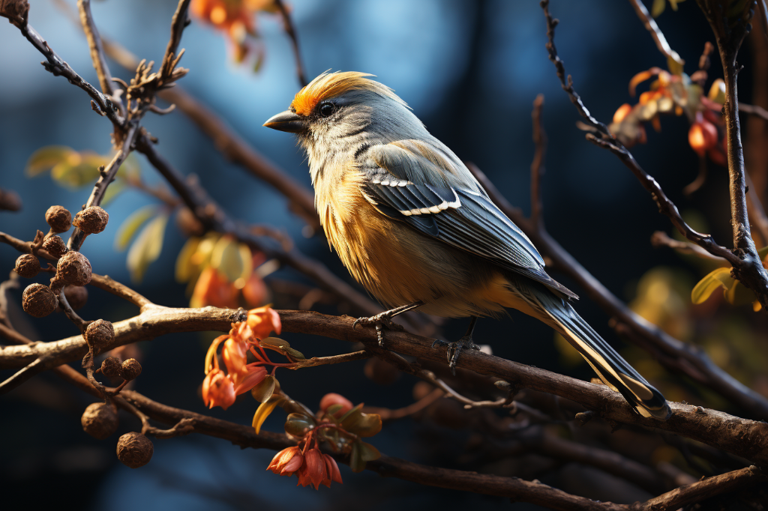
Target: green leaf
x=281 y=346
x=131 y=225
x=263 y=411
x=369 y=452
x=264 y=390
x=46 y=158
x=721 y=277
x=361 y=424
x=658 y=7
x=763 y=252
x=147 y=247
x=298 y=424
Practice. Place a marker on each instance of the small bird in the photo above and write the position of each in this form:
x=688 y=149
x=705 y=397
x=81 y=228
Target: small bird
x=415 y=228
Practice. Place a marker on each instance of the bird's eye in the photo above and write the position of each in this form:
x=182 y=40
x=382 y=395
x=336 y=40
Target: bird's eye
x=326 y=109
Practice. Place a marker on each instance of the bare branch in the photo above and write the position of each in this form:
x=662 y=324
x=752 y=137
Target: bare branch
x=658 y=36
x=288 y=24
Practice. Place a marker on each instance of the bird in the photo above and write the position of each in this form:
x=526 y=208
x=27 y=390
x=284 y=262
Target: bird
x=412 y=225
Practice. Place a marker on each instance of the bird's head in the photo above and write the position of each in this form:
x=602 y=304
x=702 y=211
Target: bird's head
x=338 y=112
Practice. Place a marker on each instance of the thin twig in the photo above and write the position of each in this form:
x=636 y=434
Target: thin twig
x=288 y=25
x=54 y=64
x=656 y=33
x=755 y=110
x=661 y=239
x=97 y=53
x=412 y=409
x=334 y=359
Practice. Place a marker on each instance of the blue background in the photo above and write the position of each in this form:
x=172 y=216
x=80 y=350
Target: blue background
x=470 y=70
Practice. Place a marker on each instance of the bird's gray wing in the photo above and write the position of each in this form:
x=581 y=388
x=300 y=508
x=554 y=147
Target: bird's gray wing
x=458 y=216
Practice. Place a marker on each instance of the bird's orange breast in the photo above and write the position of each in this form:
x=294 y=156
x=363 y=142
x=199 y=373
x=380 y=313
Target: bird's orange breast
x=399 y=265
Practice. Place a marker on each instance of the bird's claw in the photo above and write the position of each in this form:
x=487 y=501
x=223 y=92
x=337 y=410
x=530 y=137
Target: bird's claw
x=379 y=321
x=454 y=349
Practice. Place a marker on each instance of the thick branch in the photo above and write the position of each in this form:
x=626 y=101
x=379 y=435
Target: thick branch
x=742 y=437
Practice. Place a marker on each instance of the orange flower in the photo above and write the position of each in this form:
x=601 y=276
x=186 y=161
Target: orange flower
x=235 y=355
x=314 y=470
x=212 y=288
x=287 y=461
x=702 y=136
x=333 y=473
x=218 y=389
x=250 y=378
x=336 y=399
x=263 y=321
x=622 y=112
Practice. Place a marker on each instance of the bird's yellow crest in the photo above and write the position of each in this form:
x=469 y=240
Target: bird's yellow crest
x=329 y=85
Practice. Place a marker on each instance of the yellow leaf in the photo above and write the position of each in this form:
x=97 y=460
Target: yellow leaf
x=184 y=266
x=721 y=277
x=226 y=258
x=147 y=247
x=131 y=225
x=658 y=7
x=115 y=189
x=263 y=411
x=46 y=158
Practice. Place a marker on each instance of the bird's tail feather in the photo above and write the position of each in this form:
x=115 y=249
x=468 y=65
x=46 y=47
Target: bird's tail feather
x=609 y=365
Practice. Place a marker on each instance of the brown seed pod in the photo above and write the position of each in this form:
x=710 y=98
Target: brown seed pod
x=27 y=266
x=99 y=420
x=55 y=246
x=134 y=449
x=100 y=333
x=77 y=296
x=59 y=218
x=91 y=220
x=38 y=300
x=112 y=368
x=74 y=269
x=131 y=369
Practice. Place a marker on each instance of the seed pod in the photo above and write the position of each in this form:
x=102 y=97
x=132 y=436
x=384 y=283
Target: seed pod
x=91 y=220
x=112 y=368
x=74 y=269
x=77 y=296
x=134 y=449
x=131 y=369
x=100 y=333
x=38 y=300
x=58 y=218
x=55 y=246
x=99 y=420
x=27 y=266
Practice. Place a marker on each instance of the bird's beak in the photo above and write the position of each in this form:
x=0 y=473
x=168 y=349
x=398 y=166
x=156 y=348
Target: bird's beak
x=286 y=121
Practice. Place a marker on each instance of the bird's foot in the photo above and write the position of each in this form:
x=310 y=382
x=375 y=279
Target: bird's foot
x=455 y=349
x=380 y=321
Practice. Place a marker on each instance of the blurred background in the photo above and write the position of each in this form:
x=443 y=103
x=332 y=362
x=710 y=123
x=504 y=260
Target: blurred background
x=470 y=70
